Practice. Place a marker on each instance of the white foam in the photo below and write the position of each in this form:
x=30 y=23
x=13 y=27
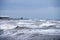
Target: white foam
x=47 y=24
x=7 y=26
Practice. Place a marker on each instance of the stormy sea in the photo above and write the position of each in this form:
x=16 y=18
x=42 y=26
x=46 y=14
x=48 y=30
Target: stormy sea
x=29 y=29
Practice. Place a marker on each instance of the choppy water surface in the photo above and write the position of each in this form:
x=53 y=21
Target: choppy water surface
x=29 y=30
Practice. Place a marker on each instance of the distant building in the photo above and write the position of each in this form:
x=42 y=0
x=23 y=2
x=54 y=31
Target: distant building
x=4 y=17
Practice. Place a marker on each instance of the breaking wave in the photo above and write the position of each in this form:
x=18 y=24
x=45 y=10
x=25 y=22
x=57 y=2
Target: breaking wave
x=29 y=29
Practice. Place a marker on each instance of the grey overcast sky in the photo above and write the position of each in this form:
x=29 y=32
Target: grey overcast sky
x=46 y=9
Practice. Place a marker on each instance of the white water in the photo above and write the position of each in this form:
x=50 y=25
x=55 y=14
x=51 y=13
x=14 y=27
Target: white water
x=25 y=29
